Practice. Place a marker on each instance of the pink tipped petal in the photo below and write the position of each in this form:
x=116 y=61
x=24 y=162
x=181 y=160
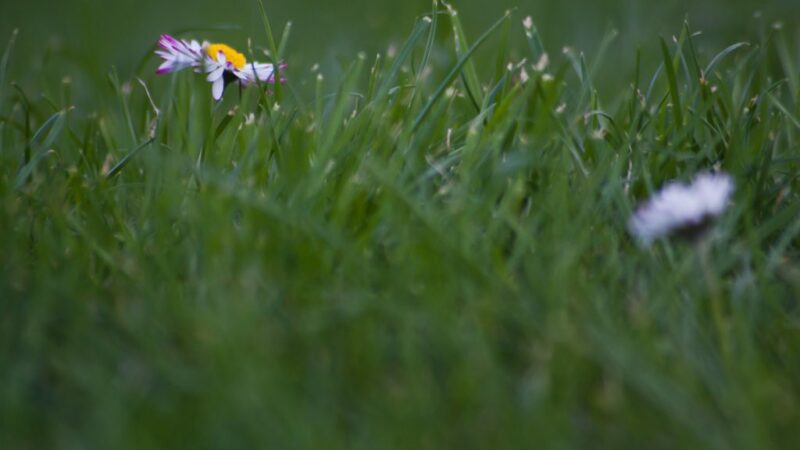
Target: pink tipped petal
x=281 y=68
x=164 y=68
x=178 y=53
x=163 y=41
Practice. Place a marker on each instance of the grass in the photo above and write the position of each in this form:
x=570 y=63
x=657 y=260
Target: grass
x=428 y=252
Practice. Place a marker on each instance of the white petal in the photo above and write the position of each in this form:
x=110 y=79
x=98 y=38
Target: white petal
x=257 y=71
x=217 y=87
x=243 y=78
x=216 y=74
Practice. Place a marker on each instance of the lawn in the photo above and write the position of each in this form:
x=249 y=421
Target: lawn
x=420 y=240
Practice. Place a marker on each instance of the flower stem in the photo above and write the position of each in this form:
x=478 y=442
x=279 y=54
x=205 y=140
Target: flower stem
x=715 y=296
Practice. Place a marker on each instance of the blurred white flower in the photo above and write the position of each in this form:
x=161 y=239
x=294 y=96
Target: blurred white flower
x=682 y=209
x=222 y=64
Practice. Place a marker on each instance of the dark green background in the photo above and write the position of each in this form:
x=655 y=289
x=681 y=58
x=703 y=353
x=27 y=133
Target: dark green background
x=93 y=35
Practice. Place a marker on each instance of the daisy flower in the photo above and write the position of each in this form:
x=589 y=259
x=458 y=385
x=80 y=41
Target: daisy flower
x=221 y=63
x=682 y=209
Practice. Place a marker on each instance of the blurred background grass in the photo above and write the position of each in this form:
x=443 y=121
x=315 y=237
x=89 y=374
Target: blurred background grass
x=87 y=37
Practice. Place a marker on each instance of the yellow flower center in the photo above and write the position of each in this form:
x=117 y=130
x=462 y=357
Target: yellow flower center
x=232 y=56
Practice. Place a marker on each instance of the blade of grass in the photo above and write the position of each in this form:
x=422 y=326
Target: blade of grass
x=677 y=110
x=600 y=55
x=273 y=48
x=789 y=66
x=4 y=62
x=127 y=158
x=712 y=66
x=469 y=74
x=455 y=72
x=53 y=127
x=434 y=21
x=501 y=59
x=287 y=31
x=692 y=61
x=401 y=58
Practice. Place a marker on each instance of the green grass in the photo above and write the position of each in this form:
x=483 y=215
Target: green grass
x=423 y=253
